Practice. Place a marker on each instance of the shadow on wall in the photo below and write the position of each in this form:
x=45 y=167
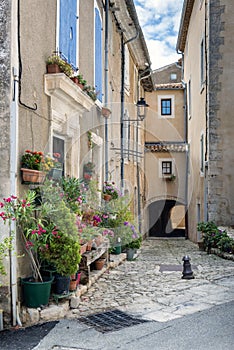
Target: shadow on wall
x=166 y=219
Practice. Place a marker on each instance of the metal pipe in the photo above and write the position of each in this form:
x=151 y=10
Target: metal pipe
x=106 y=88
x=13 y=187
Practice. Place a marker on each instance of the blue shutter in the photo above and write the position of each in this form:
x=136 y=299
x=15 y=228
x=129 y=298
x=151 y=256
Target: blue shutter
x=67 y=30
x=98 y=54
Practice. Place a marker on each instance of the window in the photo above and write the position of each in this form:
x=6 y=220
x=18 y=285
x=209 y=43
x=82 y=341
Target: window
x=68 y=30
x=166 y=106
x=126 y=73
x=166 y=168
x=98 y=54
x=189 y=100
x=173 y=76
x=202 y=62
x=59 y=147
x=202 y=153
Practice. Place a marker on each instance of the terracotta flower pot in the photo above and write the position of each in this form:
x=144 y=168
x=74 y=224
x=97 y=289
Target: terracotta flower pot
x=107 y=197
x=99 y=264
x=53 y=68
x=33 y=176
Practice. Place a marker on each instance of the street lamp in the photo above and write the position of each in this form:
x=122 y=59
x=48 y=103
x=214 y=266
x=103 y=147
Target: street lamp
x=141 y=108
x=141 y=111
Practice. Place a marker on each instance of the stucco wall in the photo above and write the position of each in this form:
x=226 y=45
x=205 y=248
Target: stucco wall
x=38 y=41
x=196 y=115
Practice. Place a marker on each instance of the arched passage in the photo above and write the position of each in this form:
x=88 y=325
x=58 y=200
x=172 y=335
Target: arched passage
x=166 y=219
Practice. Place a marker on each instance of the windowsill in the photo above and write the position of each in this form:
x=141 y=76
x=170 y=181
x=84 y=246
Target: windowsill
x=60 y=86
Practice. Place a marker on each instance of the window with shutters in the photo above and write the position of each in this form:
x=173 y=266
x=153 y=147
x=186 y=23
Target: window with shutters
x=68 y=30
x=98 y=54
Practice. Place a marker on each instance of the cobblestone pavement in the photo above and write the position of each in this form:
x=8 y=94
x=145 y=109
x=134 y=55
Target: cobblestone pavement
x=151 y=286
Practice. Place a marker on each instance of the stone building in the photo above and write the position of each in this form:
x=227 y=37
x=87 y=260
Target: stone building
x=50 y=113
x=206 y=42
x=166 y=155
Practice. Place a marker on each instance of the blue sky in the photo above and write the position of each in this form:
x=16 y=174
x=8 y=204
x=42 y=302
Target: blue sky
x=160 y=20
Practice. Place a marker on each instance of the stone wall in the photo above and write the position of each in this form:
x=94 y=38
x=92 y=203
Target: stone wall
x=5 y=93
x=5 y=25
x=220 y=124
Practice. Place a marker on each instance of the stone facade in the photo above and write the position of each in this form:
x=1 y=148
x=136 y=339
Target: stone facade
x=52 y=106
x=206 y=32
x=5 y=101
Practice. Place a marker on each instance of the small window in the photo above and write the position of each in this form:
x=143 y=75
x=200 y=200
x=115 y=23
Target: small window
x=173 y=76
x=167 y=168
x=202 y=153
x=202 y=62
x=59 y=147
x=166 y=106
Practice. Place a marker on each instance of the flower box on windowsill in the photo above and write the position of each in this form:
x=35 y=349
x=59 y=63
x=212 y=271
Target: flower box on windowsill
x=169 y=177
x=33 y=176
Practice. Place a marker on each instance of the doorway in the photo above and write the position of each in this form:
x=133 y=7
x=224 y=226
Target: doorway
x=166 y=219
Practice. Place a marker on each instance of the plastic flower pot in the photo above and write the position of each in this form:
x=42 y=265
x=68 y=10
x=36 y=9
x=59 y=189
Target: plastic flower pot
x=36 y=294
x=61 y=285
x=117 y=249
x=130 y=253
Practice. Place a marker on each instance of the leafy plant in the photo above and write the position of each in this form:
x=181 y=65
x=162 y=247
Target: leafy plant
x=213 y=237
x=63 y=253
x=74 y=193
x=64 y=66
x=31 y=160
x=5 y=246
x=109 y=188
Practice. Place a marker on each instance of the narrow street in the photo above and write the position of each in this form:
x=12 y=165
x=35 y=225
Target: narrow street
x=150 y=288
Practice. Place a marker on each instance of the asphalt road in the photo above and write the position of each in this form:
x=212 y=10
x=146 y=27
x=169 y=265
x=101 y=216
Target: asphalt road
x=210 y=329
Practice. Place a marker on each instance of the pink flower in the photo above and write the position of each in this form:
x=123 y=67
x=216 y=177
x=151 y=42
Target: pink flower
x=8 y=200
x=79 y=199
x=29 y=244
x=1 y=205
x=13 y=197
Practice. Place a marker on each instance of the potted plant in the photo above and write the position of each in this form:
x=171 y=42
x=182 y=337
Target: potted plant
x=63 y=253
x=110 y=191
x=56 y=64
x=36 y=289
x=31 y=166
x=35 y=165
x=90 y=90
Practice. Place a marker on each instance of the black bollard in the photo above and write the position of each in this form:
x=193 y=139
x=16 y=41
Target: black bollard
x=187 y=271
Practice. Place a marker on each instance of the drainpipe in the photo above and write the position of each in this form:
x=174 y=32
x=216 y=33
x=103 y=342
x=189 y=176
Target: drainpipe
x=122 y=106
x=13 y=187
x=106 y=87
x=137 y=158
x=186 y=155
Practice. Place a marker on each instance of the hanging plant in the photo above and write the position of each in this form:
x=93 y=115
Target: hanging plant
x=90 y=141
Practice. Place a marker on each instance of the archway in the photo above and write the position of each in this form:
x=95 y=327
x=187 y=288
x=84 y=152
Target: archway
x=166 y=219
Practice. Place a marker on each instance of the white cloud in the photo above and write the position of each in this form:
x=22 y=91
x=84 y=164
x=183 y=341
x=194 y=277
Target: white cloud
x=160 y=24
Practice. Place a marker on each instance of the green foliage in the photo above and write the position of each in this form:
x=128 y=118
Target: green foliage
x=74 y=190
x=56 y=209
x=31 y=160
x=135 y=243
x=213 y=237
x=63 y=254
x=5 y=246
x=111 y=189
x=64 y=66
